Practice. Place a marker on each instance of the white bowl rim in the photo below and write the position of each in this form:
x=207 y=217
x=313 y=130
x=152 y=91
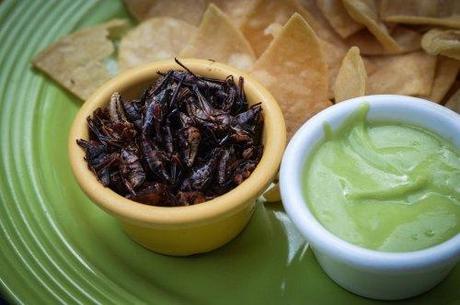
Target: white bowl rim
x=326 y=242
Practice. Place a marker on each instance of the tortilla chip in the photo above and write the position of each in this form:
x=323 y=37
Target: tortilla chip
x=407 y=74
x=454 y=102
x=455 y=86
x=370 y=67
x=76 y=61
x=320 y=25
x=154 y=39
x=433 y=12
x=218 y=39
x=236 y=10
x=407 y=39
x=293 y=68
x=446 y=43
x=351 y=79
x=268 y=15
x=273 y=29
x=340 y=21
x=365 y=12
x=264 y=14
x=334 y=47
x=333 y=56
x=445 y=75
x=186 y=10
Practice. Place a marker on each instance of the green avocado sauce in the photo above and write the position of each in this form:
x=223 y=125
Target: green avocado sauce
x=385 y=186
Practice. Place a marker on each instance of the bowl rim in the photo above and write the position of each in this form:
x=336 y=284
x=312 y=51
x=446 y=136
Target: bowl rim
x=326 y=242
x=208 y=211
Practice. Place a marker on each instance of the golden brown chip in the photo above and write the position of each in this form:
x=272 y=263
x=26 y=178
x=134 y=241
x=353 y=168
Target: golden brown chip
x=154 y=39
x=445 y=42
x=445 y=75
x=273 y=29
x=236 y=10
x=370 y=67
x=407 y=39
x=264 y=14
x=454 y=102
x=186 y=10
x=351 y=79
x=340 y=21
x=218 y=39
x=268 y=15
x=433 y=12
x=320 y=25
x=334 y=47
x=294 y=70
x=75 y=61
x=407 y=74
x=333 y=56
x=365 y=12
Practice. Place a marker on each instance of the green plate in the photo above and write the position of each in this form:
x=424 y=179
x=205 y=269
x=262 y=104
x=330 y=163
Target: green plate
x=56 y=247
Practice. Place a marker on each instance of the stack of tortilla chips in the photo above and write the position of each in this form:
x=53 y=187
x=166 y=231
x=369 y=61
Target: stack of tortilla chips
x=309 y=54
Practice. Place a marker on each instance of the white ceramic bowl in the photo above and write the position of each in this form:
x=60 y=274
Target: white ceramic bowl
x=369 y=273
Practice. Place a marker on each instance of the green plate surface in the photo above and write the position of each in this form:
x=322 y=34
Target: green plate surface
x=56 y=247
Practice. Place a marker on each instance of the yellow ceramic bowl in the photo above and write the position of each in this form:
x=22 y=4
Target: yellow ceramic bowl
x=190 y=229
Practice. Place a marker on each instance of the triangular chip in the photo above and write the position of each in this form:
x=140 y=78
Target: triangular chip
x=407 y=39
x=333 y=56
x=294 y=70
x=407 y=74
x=445 y=75
x=186 y=10
x=264 y=14
x=351 y=79
x=370 y=67
x=154 y=39
x=365 y=12
x=273 y=29
x=76 y=61
x=434 y=12
x=446 y=43
x=334 y=48
x=454 y=102
x=340 y=21
x=320 y=25
x=218 y=39
x=236 y=10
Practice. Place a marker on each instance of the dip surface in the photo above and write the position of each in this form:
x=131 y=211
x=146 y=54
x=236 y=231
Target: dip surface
x=385 y=185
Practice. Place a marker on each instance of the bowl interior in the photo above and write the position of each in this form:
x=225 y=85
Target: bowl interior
x=131 y=84
x=415 y=111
